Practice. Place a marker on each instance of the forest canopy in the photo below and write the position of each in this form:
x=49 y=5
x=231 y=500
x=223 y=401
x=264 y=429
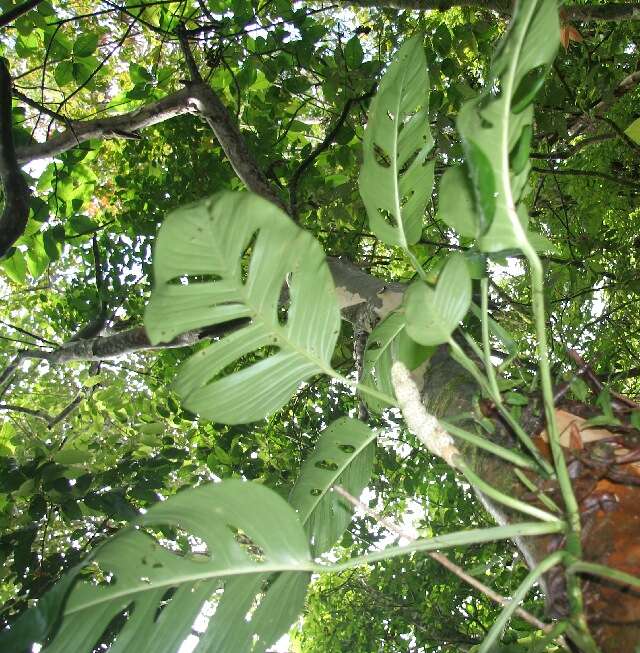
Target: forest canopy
x=318 y=326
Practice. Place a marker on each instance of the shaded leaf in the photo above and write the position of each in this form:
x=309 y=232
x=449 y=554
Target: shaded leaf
x=433 y=314
x=163 y=592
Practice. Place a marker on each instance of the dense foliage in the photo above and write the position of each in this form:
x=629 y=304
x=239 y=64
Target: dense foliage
x=97 y=431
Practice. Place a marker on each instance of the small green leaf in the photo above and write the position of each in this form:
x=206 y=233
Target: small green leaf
x=442 y=40
x=456 y=202
x=82 y=224
x=15 y=267
x=72 y=456
x=85 y=45
x=388 y=343
x=433 y=314
x=353 y=53
x=633 y=131
x=63 y=73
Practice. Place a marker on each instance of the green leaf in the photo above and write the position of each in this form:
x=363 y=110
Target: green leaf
x=203 y=244
x=163 y=593
x=395 y=179
x=85 y=45
x=456 y=203
x=72 y=456
x=36 y=624
x=63 y=73
x=342 y=456
x=633 y=131
x=15 y=267
x=37 y=259
x=433 y=314
x=353 y=53
x=442 y=40
x=386 y=344
x=495 y=127
x=82 y=224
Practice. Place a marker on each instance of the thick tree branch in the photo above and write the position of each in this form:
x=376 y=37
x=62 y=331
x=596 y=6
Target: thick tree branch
x=612 y=11
x=195 y=98
x=215 y=113
x=15 y=12
x=16 y=191
x=118 y=126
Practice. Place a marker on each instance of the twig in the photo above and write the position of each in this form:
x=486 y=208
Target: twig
x=442 y=559
x=588 y=173
x=192 y=67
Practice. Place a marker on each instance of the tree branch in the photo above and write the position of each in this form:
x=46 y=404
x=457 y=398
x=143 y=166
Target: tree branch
x=118 y=126
x=195 y=98
x=318 y=150
x=15 y=12
x=16 y=191
x=588 y=173
x=627 y=84
x=612 y=11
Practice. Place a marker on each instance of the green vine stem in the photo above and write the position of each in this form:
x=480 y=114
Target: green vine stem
x=464 y=360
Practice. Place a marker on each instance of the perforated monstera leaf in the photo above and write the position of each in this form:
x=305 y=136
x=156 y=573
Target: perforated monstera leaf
x=248 y=535
x=496 y=129
x=200 y=281
x=388 y=343
x=395 y=179
x=344 y=456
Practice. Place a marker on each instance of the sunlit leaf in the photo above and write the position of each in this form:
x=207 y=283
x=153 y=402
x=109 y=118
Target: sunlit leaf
x=201 y=281
x=344 y=456
x=395 y=179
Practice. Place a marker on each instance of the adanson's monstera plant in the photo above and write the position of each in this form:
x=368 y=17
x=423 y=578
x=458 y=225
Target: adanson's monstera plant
x=237 y=260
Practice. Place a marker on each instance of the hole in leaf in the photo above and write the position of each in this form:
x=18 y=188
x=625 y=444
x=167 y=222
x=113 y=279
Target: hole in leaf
x=110 y=634
x=247 y=544
x=164 y=602
x=388 y=217
x=176 y=541
x=316 y=492
x=189 y=279
x=329 y=465
x=284 y=302
x=347 y=448
x=95 y=575
x=248 y=253
x=381 y=157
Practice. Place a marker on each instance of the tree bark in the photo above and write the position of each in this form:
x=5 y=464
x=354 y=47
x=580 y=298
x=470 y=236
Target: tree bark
x=612 y=11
